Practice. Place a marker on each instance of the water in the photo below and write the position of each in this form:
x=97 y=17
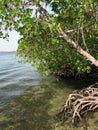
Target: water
x=29 y=101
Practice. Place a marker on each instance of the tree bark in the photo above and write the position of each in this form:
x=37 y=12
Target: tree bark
x=78 y=48
x=79 y=103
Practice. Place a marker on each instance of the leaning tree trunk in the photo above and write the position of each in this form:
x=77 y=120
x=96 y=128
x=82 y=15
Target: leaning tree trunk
x=78 y=48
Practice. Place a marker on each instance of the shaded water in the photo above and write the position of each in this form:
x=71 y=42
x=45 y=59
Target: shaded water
x=29 y=101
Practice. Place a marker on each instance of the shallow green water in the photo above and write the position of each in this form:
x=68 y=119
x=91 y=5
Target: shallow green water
x=30 y=102
x=36 y=107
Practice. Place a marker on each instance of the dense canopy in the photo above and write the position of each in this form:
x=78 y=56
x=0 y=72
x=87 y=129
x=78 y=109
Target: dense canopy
x=53 y=33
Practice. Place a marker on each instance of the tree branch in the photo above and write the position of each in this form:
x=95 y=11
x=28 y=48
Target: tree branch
x=78 y=48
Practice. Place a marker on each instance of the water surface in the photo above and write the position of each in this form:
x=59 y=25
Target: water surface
x=29 y=101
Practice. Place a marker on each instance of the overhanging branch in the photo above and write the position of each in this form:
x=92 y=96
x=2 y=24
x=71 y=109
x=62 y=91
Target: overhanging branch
x=78 y=48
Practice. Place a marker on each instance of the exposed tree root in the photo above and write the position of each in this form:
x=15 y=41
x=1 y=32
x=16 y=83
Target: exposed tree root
x=67 y=72
x=80 y=102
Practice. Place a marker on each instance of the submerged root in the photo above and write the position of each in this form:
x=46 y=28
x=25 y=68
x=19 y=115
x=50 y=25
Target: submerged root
x=80 y=102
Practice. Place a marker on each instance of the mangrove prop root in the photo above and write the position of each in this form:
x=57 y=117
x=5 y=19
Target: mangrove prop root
x=80 y=102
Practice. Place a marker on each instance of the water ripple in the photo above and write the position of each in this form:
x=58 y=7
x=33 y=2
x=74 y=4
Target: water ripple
x=15 y=78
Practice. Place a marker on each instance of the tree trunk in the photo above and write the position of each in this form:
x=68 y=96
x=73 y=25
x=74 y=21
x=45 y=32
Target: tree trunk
x=78 y=48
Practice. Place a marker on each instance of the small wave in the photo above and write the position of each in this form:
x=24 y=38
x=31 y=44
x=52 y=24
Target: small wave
x=15 y=77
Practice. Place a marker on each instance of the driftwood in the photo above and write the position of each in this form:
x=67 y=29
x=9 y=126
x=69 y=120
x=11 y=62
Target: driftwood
x=80 y=102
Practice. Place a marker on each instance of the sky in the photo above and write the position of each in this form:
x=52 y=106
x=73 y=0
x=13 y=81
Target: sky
x=10 y=45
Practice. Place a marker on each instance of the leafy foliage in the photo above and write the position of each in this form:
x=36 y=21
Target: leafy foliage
x=41 y=43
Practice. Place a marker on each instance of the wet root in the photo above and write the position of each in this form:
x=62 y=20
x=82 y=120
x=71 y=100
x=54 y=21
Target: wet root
x=80 y=102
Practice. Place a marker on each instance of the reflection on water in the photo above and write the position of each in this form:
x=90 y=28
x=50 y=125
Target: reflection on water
x=29 y=102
